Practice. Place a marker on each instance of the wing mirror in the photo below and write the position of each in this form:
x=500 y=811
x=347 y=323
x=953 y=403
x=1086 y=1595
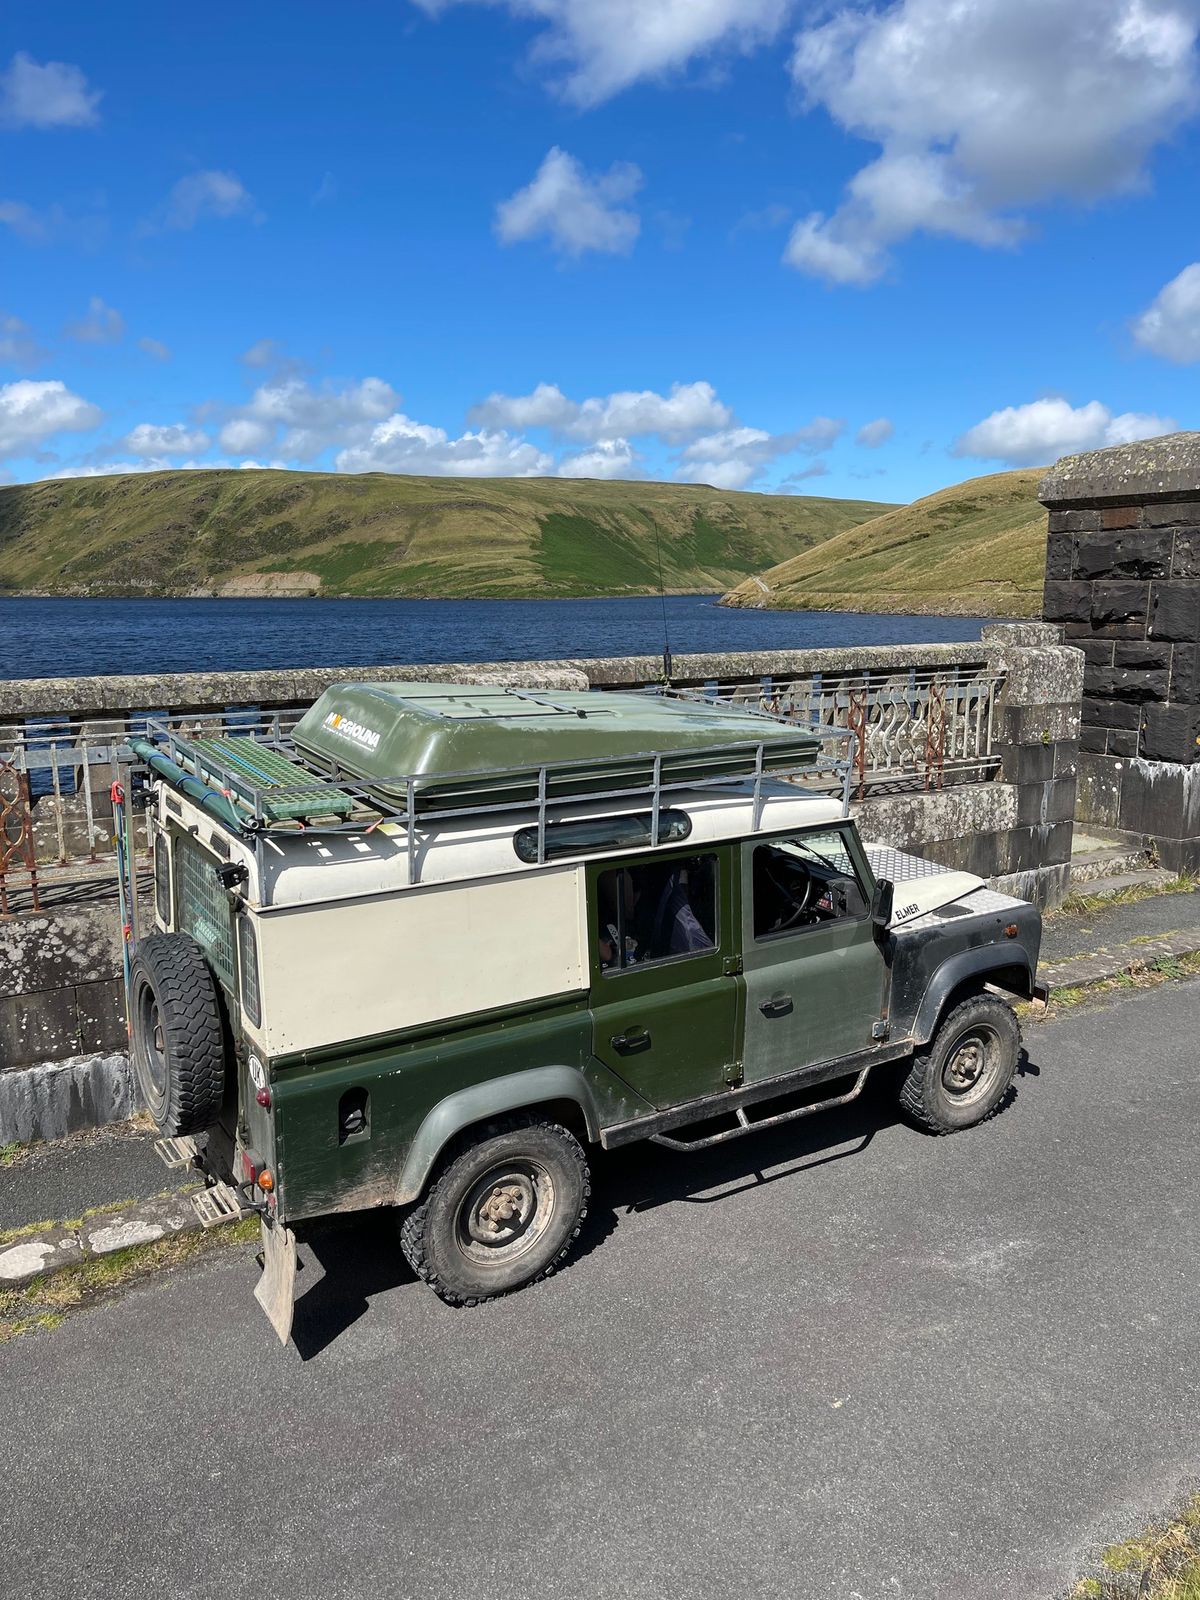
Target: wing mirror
x=881 y=905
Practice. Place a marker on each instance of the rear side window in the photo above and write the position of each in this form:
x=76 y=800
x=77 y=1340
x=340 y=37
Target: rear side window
x=657 y=911
x=162 y=879
x=203 y=908
x=248 y=961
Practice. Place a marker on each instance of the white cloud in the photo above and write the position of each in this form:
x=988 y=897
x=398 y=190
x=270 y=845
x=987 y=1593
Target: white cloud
x=102 y=325
x=546 y=407
x=985 y=106
x=30 y=412
x=18 y=347
x=1170 y=324
x=595 y=48
x=165 y=439
x=264 y=353
x=207 y=194
x=815 y=469
x=1043 y=430
x=686 y=410
x=736 y=457
x=577 y=211
x=32 y=226
x=244 y=433
x=689 y=408
x=51 y=94
x=108 y=469
x=611 y=458
x=52 y=222
x=873 y=434
x=401 y=445
x=312 y=418
x=154 y=348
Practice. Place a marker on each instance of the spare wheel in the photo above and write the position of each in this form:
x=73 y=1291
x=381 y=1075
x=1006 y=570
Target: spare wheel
x=177 y=1037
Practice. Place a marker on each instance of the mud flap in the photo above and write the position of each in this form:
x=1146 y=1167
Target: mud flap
x=276 y=1289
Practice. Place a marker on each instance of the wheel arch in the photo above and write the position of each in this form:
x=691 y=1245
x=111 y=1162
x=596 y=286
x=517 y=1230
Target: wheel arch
x=559 y=1091
x=968 y=973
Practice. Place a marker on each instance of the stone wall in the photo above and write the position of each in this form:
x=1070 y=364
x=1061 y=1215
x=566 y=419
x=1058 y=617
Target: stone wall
x=1123 y=579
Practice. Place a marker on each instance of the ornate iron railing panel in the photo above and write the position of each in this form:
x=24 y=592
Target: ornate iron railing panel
x=913 y=729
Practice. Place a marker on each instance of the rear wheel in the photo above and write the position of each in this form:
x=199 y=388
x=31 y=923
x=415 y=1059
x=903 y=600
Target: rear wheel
x=963 y=1075
x=503 y=1212
x=177 y=1043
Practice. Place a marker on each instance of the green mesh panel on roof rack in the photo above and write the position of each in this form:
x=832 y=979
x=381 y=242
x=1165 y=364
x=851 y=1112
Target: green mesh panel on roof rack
x=204 y=910
x=263 y=769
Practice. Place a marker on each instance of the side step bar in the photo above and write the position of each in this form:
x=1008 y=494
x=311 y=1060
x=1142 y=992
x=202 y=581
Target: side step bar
x=176 y=1152
x=745 y=1125
x=220 y=1203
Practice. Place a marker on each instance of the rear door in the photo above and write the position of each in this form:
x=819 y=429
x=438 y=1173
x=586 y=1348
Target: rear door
x=814 y=974
x=666 y=1001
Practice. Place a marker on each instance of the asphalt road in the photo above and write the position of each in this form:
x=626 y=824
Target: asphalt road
x=843 y=1361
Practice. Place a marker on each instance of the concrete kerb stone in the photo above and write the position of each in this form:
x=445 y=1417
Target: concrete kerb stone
x=55 y=1248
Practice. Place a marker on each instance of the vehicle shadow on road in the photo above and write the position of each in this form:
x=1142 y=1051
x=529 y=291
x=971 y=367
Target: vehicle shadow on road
x=360 y=1257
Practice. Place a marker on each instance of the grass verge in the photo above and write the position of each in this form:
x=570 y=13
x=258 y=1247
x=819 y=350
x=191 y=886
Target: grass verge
x=1140 y=976
x=1074 y=904
x=42 y=1305
x=1163 y=1563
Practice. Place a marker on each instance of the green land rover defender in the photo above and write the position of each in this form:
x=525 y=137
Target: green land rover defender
x=439 y=941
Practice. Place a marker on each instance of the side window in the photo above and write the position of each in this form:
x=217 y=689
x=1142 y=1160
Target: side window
x=162 y=879
x=657 y=911
x=805 y=882
x=248 y=962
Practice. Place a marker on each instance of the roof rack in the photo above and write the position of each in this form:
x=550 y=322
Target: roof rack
x=256 y=782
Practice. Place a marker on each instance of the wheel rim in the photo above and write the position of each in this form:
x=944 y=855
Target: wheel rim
x=505 y=1212
x=152 y=1037
x=972 y=1065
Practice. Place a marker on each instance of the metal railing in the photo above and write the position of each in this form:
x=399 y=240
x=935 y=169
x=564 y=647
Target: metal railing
x=913 y=729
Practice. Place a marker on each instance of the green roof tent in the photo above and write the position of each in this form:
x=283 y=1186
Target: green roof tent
x=461 y=744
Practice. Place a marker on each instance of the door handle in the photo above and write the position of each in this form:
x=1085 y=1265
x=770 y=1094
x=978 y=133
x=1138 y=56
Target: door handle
x=779 y=1005
x=628 y=1044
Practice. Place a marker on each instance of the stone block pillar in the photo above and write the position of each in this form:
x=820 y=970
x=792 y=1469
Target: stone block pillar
x=1123 y=579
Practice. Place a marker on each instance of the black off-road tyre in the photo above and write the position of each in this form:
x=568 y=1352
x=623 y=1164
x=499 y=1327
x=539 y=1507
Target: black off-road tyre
x=964 y=1074
x=177 y=1045
x=503 y=1211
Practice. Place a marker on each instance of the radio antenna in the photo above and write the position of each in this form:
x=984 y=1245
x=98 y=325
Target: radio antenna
x=662 y=596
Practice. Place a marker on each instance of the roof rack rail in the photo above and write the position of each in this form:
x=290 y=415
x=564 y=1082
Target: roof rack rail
x=256 y=782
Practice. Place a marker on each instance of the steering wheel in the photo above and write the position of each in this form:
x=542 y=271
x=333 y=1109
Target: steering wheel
x=800 y=901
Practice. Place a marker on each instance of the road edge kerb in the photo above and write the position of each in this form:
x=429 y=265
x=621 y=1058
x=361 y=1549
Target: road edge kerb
x=42 y=1252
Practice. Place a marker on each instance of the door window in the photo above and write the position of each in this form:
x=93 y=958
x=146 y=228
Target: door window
x=657 y=911
x=805 y=882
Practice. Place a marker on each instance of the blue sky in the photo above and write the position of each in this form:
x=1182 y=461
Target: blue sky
x=865 y=251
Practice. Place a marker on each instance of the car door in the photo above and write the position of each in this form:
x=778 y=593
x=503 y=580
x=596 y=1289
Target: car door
x=665 y=995
x=814 y=973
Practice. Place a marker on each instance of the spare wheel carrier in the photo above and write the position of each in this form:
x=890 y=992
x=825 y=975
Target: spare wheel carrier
x=177 y=1039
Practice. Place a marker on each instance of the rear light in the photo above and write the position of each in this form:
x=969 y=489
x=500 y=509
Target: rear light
x=265 y=1180
x=1011 y=931
x=263 y=1097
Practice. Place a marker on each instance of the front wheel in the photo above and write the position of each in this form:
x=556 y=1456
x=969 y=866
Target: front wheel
x=502 y=1213
x=963 y=1074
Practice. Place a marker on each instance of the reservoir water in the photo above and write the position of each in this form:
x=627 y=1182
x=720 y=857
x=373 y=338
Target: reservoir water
x=68 y=638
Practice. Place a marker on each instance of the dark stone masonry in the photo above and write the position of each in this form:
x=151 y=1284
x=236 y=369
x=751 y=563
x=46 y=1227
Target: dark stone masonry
x=1123 y=580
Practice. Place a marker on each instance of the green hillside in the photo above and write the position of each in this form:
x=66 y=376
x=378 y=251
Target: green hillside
x=977 y=549
x=265 y=532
